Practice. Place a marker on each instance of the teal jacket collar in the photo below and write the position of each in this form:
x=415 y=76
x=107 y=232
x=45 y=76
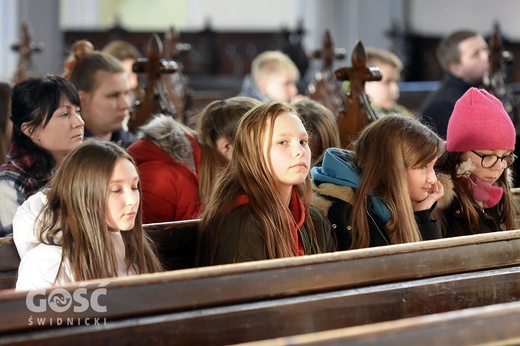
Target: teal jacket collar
x=339 y=168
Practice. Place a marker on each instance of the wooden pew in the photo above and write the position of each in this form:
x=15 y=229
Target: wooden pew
x=486 y=325
x=325 y=88
x=9 y=261
x=268 y=299
x=175 y=241
x=357 y=111
x=283 y=317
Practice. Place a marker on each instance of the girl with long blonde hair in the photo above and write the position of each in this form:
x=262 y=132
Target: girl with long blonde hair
x=260 y=205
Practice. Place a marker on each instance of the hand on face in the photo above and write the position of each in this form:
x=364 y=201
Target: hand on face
x=435 y=193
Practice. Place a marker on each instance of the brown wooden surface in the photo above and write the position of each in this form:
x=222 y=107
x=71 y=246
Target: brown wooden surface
x=246 y=301
x=178 y=93
x=152 y=101
x=487 y=325
x=289 y=316
x=495 y=80
x=210 y=53
x=9 y=261
x=325 y=88
x=356 y=112
x=25 y=48
x=175 y=242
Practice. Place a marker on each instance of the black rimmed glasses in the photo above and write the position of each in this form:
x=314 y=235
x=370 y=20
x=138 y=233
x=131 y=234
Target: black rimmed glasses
x=489 y=161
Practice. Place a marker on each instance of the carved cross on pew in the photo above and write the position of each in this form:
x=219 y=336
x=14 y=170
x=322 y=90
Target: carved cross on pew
x=25 y=47
x=357 y=112
x=154 y=100
x=173 y=48
x=328 y=52
x=175 y=85
x=495 y=79
x=325 y=88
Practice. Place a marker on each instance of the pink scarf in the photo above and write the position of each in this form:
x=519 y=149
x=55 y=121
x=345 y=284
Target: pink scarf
x=485 y=194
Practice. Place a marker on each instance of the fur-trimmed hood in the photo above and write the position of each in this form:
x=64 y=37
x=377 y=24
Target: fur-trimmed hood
x=171 y=137
x=449 y=194
x=323 y=204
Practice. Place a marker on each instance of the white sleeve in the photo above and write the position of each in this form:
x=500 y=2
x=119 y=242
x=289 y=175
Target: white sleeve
x=11 y=199
x=24 y=223
x=39 y=267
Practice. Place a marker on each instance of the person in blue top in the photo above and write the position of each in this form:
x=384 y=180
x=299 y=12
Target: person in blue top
x=383 y=191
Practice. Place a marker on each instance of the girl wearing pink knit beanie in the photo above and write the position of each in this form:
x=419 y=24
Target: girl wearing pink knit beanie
x=479 y=151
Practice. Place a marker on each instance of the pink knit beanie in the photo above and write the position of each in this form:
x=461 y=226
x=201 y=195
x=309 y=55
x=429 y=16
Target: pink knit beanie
x=479 y=122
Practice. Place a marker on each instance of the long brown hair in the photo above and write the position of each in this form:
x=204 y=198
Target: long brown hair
x=384 y=150
x=218 y=120
x=75 y=216
x=249 y=173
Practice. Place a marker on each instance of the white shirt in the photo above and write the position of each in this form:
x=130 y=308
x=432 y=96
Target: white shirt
x=40 y=263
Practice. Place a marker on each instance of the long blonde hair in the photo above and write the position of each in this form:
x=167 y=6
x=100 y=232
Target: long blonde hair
x=218 y=120
x=384 y=150
x=75 y=216
x=249 y=173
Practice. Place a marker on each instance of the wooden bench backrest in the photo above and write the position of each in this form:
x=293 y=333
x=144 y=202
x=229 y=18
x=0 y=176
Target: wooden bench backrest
x=9 y=261
x=487 y=325
x=258 y=282
x=176 y=244
x=175 y=241
x=278 y=317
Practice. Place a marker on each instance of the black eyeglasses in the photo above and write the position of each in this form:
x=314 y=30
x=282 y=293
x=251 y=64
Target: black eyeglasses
x=489 y=161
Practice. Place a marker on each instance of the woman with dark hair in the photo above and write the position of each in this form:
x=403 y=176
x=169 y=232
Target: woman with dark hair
x=46 y=127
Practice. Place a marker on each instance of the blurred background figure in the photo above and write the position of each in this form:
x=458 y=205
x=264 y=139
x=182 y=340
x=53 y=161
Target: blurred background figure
x=273 y=78
x=6 y=125
x=384 y=94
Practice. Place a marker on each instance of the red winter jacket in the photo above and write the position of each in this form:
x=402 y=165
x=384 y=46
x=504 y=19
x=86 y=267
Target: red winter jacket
x=170 y=188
